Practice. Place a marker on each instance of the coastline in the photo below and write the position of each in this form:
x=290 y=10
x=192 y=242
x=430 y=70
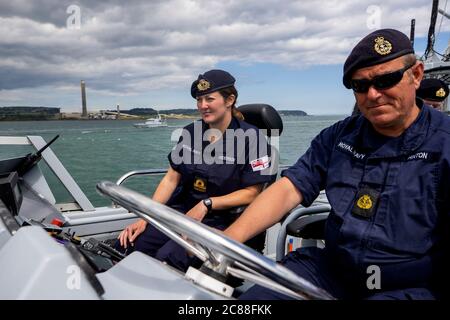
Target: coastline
x=110 y=115
x=122 y=117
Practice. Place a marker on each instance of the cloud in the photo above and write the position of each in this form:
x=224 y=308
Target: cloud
x=136 y=46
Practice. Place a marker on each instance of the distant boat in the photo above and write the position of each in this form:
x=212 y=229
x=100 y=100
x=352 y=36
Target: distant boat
x=152 y=123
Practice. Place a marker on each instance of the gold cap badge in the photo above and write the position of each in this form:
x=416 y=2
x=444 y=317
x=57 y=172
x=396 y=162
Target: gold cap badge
x=364 y=202
x=440 y=93
x=382 y=46
x=203 y=85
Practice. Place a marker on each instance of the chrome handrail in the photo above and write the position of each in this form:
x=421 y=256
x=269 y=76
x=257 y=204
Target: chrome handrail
x=150 y=172
x=294 y=215
x=147 y=172
x=143 y=172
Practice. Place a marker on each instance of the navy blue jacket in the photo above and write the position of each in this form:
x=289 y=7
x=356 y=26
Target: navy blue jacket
x=229 y=172
x=407 y=234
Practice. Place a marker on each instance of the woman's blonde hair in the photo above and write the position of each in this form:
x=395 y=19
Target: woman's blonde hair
x=225 y=93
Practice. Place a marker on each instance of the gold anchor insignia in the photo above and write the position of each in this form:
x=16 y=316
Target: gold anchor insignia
x=440 y=93
x=203 y=85
x=364 y=202
x=382 y=46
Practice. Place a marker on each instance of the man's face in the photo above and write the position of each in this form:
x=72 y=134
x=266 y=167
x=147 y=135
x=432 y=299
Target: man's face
x=435 y=104
x=392 y=109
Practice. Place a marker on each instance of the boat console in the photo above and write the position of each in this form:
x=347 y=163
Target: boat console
x=16 y=196
x=44 y=256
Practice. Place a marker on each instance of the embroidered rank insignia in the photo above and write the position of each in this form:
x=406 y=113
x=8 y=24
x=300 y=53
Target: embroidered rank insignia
x=440 y=93
x=200 y=184
x=382 y=47
x=365 y=202
x=203 y=85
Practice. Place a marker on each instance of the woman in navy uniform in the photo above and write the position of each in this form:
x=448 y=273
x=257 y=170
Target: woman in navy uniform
x=211 y=171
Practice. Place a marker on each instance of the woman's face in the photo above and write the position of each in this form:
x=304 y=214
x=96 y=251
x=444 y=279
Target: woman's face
x=213 y=108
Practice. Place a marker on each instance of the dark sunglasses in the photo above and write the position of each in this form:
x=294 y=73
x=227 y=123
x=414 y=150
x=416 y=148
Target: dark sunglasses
x=382 y=82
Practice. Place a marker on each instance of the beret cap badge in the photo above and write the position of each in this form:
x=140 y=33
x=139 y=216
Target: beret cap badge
x=382 y=46
x=433 y=89
x=211 y=81
x=203 y=85
x=440 y=93
x=376 y=48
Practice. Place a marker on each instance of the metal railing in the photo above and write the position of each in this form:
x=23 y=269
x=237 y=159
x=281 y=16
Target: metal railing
x=294 y=215
x=153 y=172
x=144 y=172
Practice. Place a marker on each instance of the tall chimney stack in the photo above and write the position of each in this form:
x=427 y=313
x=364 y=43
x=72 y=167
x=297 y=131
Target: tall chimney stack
x=83 y=99
x=118 y=113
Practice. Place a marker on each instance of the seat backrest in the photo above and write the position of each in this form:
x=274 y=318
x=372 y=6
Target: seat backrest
x=263 y=116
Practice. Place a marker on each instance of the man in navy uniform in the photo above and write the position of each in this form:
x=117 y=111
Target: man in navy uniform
x=385 y=173
x=433 y=92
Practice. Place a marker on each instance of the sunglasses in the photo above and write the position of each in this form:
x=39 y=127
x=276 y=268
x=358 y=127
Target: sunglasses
x=382 y=82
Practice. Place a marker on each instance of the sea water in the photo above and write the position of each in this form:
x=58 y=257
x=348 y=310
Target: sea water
x=93 y=151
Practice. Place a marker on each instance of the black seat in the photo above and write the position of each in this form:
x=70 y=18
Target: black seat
x=266 y=118
x=308 y=227
x=263 y=116
x=305 y=223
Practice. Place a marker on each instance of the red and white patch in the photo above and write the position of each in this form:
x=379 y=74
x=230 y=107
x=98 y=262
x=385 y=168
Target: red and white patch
x=260 y=163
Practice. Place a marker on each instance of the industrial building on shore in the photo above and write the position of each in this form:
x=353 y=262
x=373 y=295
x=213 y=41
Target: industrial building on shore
x=13 y=113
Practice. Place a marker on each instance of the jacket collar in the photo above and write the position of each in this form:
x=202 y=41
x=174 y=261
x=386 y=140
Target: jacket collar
x=363 y=136
x=234 y=124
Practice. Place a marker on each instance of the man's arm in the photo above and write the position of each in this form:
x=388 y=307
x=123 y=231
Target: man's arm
x=267 y=209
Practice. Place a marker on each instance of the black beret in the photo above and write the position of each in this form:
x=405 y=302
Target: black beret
x=433 y=89
x=211 y=81
x=378 y=47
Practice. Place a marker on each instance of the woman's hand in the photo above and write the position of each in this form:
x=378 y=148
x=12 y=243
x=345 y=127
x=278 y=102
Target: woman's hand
x=162 y=194
x=198 y=212
x=130 y=233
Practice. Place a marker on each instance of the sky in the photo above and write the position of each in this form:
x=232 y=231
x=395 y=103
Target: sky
x=142 y=53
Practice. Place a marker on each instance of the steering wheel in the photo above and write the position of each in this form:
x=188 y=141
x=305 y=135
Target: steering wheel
x=218 y=251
